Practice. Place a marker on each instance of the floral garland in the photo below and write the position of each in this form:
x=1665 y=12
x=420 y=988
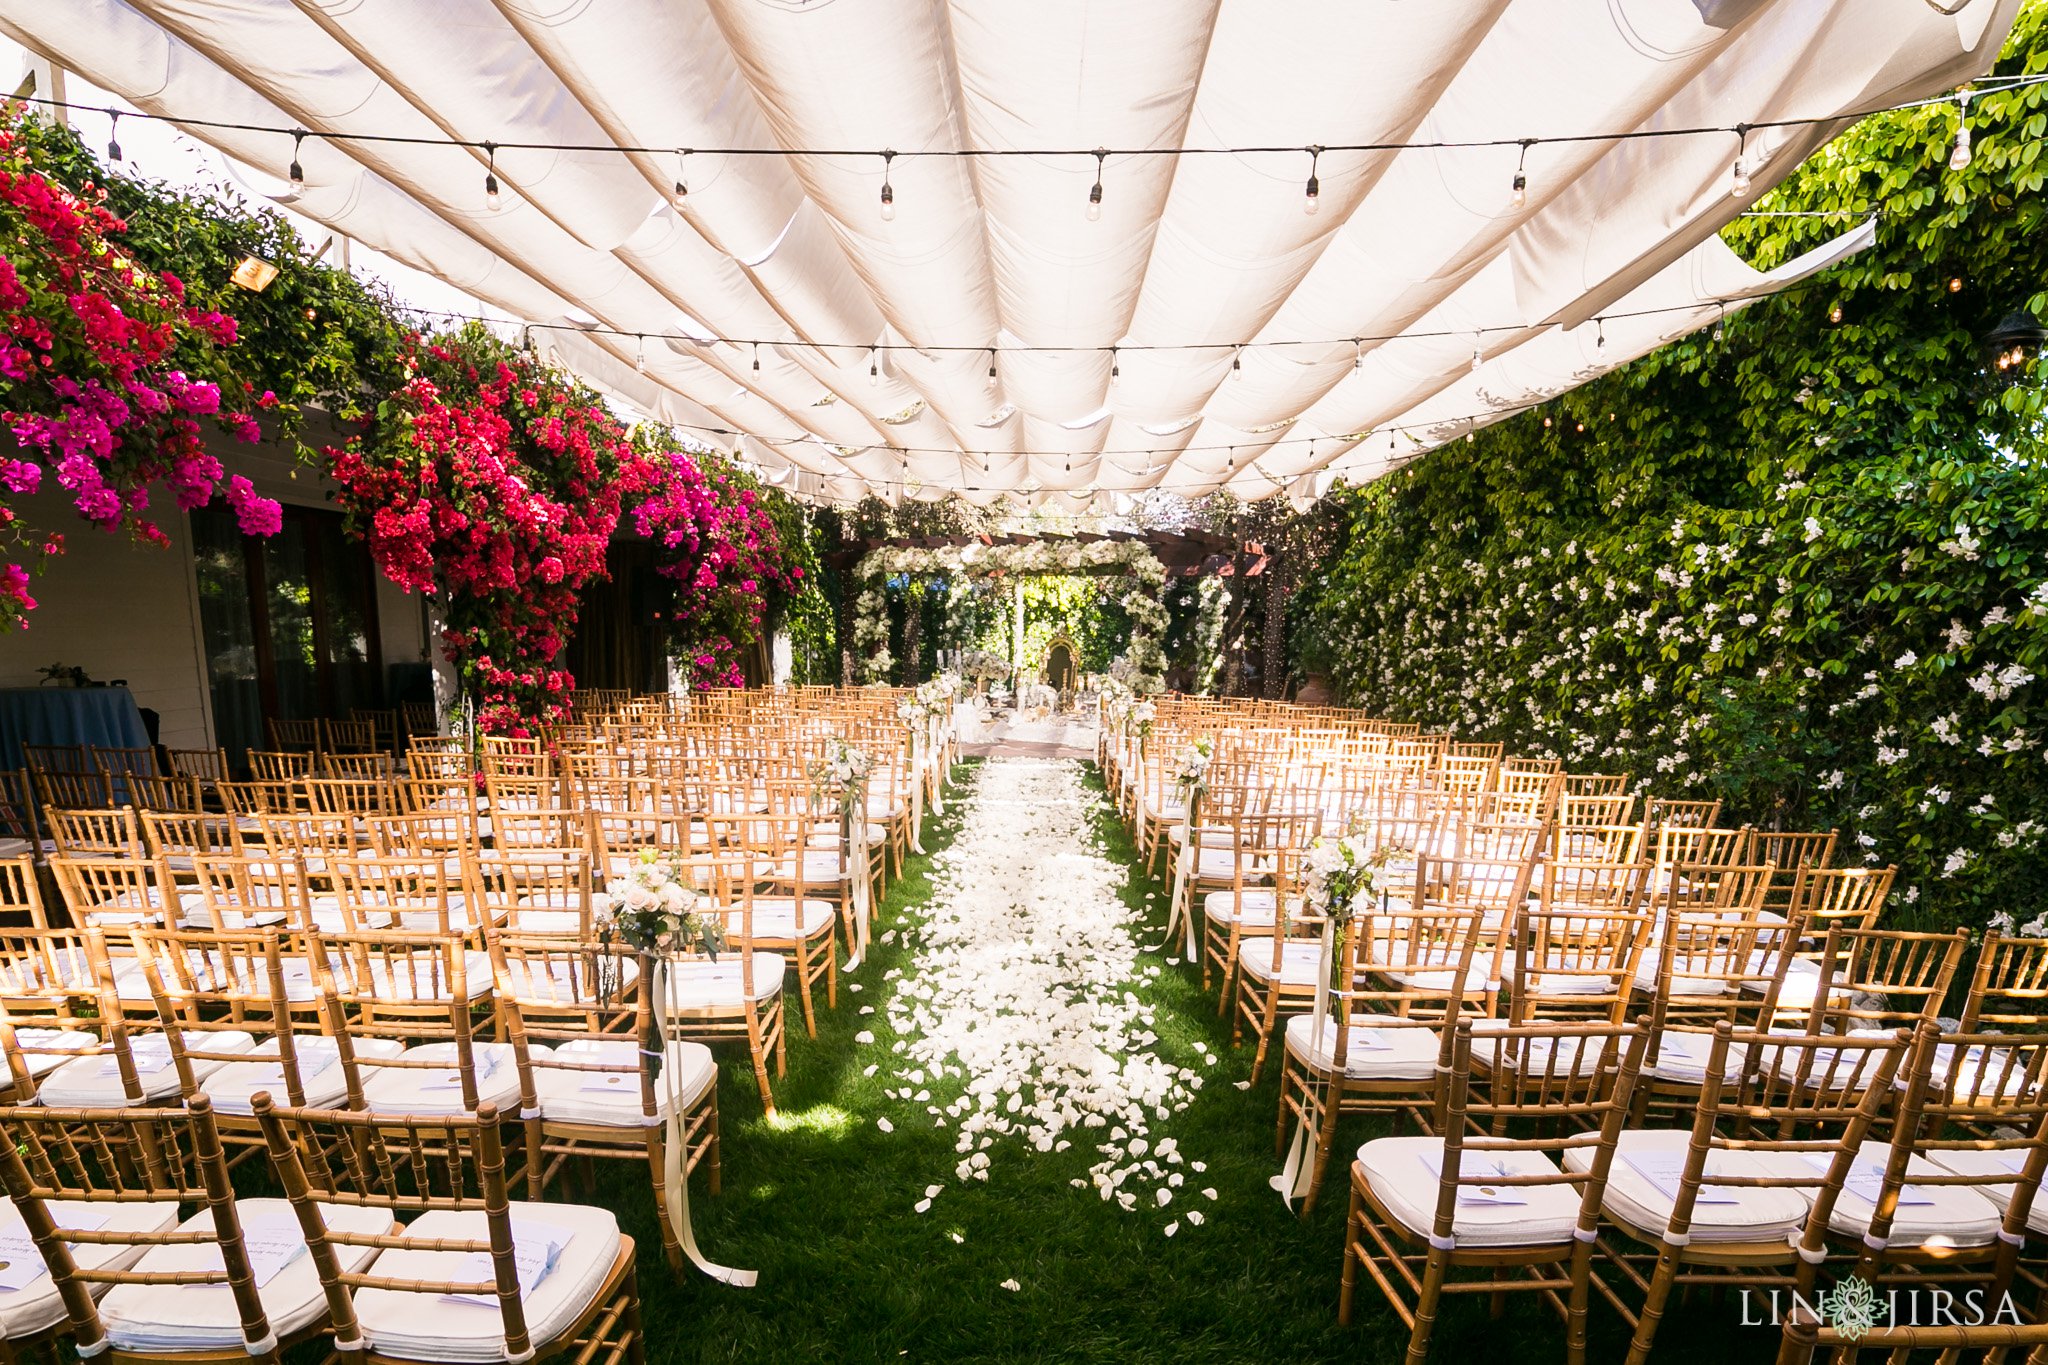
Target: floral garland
x=97 y=357
x=1144 y=660
x=495 y=483
x=841 y=775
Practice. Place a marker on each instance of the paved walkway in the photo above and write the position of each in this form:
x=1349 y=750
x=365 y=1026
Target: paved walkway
x=1009 y=735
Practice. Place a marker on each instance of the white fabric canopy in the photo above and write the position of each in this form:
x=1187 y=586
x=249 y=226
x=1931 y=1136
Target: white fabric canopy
x=1419 y=250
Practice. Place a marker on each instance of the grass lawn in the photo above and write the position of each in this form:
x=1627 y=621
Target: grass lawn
x=821 y=1205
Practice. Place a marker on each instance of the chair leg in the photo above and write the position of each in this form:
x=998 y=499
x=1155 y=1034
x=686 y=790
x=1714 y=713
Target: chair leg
x=803 y=978
x=1653 y=1306
x=1326 y=1142
x=1575 y=1309
x=1280 y=1125
x=636 y=1352
x=671 y=1244
x=1426 y=1304
x=1349 y=1285
x=713 y=1147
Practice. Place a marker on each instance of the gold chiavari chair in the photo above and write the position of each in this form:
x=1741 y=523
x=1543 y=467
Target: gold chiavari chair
x=784 y=915
x=472 y=1275
x=1745 y=1195
x=1789 y=852
x=348 y=737
x=359 y=766
x=423 y=991
x=535 y=890
x=1486 y=1207
x=2008 y=986
x=358 y=796
x=67 y=788
x=576 y=1023
x=293 y=736
x=1380 y=1048
x=99 y=1192
x=118 y=767
x=280 y=765
x=419 y=895
x=94 y=832
x=206 y=766
x=243 y=891
x=52 y=1007
x=1658 y=810
x=1597 y=785
x=1877 y=978
x=737 y=995
x=21 y=895
x=102 y=893
x=21 y=830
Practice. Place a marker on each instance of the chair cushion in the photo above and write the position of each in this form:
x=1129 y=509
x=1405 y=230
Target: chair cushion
x=196 y=1317
x=1404 y=1174
x=434 y=1327
x=776 y=919
x=1374 y=1051
x=1682 y=1058
x=1534 y=1054
x=1223 y=865
x=1301 y=961
x=570 y=983
x=37 y=1305
x=1253 y=907
x=1642 y=1185
x=96 y=1080
x=700 y=986
x=235 y=1086
x=1997 y=1161
x=48 y=1044
x=612 y=1098
x=434 y=1090
x=1927 y=1215
x=427 y=982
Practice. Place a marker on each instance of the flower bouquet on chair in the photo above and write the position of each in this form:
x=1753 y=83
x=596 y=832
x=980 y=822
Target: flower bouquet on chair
x=654 y=911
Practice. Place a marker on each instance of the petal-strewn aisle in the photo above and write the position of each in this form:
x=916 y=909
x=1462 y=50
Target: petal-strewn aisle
x=1023 y=988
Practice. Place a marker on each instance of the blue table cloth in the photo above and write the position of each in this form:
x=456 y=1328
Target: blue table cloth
x=104 y=716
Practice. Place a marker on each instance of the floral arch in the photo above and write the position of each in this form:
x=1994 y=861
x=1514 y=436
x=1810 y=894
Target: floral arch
x=1143 y=663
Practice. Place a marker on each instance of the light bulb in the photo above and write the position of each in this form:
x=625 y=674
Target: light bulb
x=1959 y=159
x=888 y=202
x=991 y=370
x=1835 y=313
x=1718 y=333
x=492 y=200
x=1095 y=202
x=113 y=137
x=679 y=197
x=1314 y=199
x=1955 y=285
x=874 y=371
x=640 y=357
x=297 y=175
x=1520 y=194
x=1477 y=360
x=1115 y=370
x=1739 y=185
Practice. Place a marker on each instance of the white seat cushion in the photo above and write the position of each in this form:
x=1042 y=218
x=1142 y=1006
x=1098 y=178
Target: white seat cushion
x=438 y=1090
x=700 y=986
x=1376 y=1051
x=96 y=1080
x=2008 y=1161
x=41 y=1047
x=613 y=1098
x=1301 y=961
x=1640 y=1196
x=235 y=1086
x=436 y=1327
x=1682 y=1058
x=1226 y=864
x=821 y=868
x=196 y=1317
x=1647 y=974
x=1253 y=907
x=1400 y=1172
x=1926 y=1216
x=776 y=919
x=37 y=1305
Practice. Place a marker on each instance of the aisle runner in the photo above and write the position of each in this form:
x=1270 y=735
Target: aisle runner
x=1021 y=986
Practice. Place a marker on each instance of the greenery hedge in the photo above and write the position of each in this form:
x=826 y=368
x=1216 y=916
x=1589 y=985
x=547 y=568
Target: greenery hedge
x=1803 y=568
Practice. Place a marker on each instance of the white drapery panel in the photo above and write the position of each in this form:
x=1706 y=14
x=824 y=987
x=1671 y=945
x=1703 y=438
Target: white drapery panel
x=1200 y=331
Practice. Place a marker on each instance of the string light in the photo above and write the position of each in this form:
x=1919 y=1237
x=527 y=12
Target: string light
x=757 y=357
x=1478 y=359
x=1959 y=159
x=1115 y=371
x=1236 y=358
x=1357 y=353
x=491 y=199
x=1955 y=284
x=1600 y=334
x=1738 y=186
x=1835 y=313
x=991 y=369
x=1519 y=192
x=874 y=369
x=297 y=173
x=888 y=190
x=1313 y=201
x=1720 y=318
x=1095 y=190
x=113 y=137
x=680 y=195
x=640 y=357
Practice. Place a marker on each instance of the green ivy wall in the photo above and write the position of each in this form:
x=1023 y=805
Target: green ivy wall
x=1803 y=568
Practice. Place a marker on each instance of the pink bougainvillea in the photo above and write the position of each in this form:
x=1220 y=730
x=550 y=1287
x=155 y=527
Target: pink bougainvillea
x=720 y=546
x=495 y=484
x=91 y=379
